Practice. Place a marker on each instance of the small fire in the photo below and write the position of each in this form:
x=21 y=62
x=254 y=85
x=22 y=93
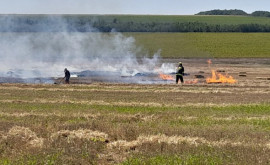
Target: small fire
x=165 y=77
x=220 y=78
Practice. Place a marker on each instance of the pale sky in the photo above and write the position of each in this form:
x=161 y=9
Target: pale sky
x=161 y=7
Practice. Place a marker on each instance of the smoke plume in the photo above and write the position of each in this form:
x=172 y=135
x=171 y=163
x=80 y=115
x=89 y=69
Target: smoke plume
x=45 y=53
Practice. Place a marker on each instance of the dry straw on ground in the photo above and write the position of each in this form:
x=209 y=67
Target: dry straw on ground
x=130 y=145
x=80 y=134
x=26 y=136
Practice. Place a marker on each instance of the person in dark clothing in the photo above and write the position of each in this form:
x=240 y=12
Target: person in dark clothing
x=180 y=73
x=67 y=76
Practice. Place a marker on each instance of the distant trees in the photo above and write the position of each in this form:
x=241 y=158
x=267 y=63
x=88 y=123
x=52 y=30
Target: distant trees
x=235 y=12
x=195 y=26
x=261 y=14
x=223 y=12
x=86 y=23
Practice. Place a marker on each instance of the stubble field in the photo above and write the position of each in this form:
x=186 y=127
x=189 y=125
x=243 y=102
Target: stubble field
x=105 y=123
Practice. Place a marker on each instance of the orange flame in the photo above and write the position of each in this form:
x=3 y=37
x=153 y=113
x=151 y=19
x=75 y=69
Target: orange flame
x=165 y=77
x=219 y=78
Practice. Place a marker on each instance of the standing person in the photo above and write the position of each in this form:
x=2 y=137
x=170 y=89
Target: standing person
x=180 y=73
x=67 y=76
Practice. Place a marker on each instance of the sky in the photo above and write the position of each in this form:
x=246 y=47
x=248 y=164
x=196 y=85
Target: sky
x=152 y=7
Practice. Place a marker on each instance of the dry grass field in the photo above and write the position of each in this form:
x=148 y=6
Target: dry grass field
x=110 y=123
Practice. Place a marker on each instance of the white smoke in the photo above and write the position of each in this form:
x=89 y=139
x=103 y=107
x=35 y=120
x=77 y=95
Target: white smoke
x=46 y=54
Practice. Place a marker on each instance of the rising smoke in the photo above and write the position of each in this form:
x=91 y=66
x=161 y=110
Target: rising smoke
x=46 y=52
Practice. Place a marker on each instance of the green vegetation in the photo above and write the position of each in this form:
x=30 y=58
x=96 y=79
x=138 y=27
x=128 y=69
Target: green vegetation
x=223 y=12
x=191 y=45
x=207 y=45
x=172 y=160
x=261 y=14
x=222 y=20
x=235 y=12
x=133 y=124
x=133 y=23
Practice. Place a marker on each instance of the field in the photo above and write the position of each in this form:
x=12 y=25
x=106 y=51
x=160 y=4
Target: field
x=234 y=20
x=208 y=45
x=95 y=121
x=221 y=20
x=132 y=23
x=105 y=123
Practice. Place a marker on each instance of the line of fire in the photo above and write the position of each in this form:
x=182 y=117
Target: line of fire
x=210 y=76
x=215 y=77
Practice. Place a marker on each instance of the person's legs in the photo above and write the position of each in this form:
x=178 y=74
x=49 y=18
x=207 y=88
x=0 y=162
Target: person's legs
x=182 y=79
x=67 y=81
x=177 y=79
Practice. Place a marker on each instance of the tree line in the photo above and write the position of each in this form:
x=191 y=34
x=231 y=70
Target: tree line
x=89 y=24
x=180 y=27
x=235 y=12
